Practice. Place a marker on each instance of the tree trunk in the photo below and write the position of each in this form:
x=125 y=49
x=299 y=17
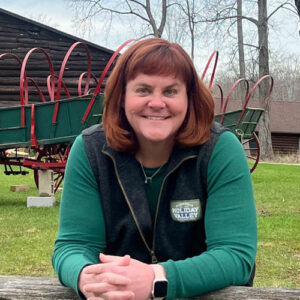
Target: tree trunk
x=190 y=16
x=157 y=31
x=297 y=3
x=241 y=47
x=264 y=124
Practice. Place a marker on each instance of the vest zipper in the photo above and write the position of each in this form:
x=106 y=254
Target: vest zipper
x=130 y=208
x=158 y=201
x=154 y=259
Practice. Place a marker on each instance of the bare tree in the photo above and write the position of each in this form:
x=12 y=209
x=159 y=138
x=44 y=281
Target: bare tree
x=142 y=10
x=176 y=29
x=286 y=72
x=241 y=39
x=262 y=26
x=190 y=14
x=264 y=69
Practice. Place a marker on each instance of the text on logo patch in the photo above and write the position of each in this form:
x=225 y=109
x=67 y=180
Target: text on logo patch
x=186 y=210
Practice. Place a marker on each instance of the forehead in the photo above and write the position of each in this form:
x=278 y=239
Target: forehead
x=158 y=61
x=158 y=80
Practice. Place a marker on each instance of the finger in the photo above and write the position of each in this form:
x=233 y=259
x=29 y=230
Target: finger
x=116 y=295
x=116 y=279
x=106 y=282
x=121 y=261
x=102 y=268
x=118 y=260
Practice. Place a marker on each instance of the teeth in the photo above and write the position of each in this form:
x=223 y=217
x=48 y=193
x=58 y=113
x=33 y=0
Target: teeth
x=156 y=118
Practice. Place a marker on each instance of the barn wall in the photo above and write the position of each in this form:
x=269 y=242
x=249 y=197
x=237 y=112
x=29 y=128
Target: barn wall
x=18 y=37
x=285 y=143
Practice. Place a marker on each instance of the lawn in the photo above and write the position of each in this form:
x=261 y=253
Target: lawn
x=277 y=196
x=27 y=234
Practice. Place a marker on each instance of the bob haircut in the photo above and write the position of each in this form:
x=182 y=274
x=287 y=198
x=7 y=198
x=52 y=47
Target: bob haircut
x=156 y=56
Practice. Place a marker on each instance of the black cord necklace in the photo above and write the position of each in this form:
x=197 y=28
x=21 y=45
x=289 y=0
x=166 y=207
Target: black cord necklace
x=149 y=178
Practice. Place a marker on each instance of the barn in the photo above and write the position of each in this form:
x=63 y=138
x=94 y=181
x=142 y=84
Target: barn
x=18 y=35
x=285 y=126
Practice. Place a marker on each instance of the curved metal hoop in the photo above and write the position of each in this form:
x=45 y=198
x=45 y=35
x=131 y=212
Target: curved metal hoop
x=23 y=75
x=62 y=83
x=61 y=73
x=80 y=82
x=252 y=91
x=216 y=54
x=230 y=93
x=64 y=63
x=98 y=88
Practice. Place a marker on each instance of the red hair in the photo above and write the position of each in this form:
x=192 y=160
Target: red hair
x=156 y=56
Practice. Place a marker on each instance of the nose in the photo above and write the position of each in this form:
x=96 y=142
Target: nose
x=157 y=101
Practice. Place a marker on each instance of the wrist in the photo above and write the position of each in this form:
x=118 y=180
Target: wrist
x=160 y=282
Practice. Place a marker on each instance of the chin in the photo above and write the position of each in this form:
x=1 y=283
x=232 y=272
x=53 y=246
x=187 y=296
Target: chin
x=157 y=138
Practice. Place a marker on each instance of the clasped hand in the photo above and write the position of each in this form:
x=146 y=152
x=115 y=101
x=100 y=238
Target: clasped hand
x=117 y=277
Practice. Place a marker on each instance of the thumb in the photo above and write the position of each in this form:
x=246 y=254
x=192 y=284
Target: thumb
x=116 y=260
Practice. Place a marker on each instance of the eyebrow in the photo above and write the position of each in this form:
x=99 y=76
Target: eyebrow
x=149 y=86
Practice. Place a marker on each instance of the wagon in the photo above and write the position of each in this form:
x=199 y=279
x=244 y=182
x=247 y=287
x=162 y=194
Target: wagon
x=243 y=122
x=51 y=141
x=48 y=128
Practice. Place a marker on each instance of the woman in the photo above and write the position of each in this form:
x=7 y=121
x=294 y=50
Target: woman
x=161 y=189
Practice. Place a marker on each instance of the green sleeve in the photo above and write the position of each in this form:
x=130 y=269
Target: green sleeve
x=81 y=234
x=230 y=225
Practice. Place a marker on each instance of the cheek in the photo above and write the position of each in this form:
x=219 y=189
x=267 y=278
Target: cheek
x=183 y=107
x=130 y=110
x=127 y=106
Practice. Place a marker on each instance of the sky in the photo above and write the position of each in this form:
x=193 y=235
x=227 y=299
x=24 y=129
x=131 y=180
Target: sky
x=284 y=34
x=59 y=14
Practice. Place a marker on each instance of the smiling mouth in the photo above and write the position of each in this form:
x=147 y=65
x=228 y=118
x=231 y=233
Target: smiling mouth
x=155 y=118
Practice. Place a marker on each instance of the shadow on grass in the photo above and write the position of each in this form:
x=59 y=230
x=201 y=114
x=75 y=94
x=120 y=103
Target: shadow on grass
x=13 y=203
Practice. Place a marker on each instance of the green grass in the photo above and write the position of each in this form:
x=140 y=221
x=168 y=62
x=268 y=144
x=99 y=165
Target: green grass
x=27 y=234
x=277 y=196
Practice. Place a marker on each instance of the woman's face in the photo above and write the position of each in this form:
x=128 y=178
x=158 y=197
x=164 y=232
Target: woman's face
x=155 y=107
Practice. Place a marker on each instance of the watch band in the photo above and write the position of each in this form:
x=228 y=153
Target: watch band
x=159 y=272
x=160 y=283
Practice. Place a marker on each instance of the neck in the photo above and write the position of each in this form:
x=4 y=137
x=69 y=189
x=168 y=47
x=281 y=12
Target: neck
x=152 y=156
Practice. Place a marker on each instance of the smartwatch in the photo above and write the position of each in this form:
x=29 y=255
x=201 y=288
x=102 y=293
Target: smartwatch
x=160 y=283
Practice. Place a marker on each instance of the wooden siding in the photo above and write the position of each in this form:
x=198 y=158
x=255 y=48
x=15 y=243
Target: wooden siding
x=285 y=144
x=18 y=36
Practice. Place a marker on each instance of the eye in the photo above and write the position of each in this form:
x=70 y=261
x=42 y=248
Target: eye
x=170 y=92
x=143 y=91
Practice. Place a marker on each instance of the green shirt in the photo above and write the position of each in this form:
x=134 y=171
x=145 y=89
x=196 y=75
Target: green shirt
x=230 y=224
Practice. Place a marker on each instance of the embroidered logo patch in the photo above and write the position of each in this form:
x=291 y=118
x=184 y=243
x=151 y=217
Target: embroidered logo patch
x=186 y=210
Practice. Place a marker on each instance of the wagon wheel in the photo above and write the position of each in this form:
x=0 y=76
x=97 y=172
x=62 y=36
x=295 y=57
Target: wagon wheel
x=53 y=154
x=252 y=150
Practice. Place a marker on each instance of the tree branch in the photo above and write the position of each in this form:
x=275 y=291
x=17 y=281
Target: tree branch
x=164 y=17
x=227 y=18
x=151 y=19
x=138 y=3
x=276 y=9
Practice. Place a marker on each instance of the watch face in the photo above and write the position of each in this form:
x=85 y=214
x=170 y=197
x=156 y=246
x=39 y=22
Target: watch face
x=160 y=288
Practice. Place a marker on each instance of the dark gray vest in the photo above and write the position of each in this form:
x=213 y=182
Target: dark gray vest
x=177 y=232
